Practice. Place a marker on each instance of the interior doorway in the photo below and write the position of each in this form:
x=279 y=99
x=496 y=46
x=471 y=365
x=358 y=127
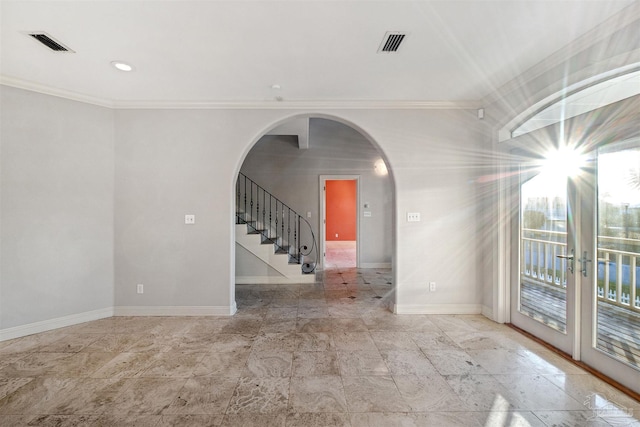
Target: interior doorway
x=339 y=241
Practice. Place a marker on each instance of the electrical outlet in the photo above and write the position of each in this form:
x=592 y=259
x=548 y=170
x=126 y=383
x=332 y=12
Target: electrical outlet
x=413 y=216
x=432 y=286
x=190 y=219
x=140 y=288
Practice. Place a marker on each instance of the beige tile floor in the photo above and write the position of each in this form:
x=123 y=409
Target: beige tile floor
x=328 y=354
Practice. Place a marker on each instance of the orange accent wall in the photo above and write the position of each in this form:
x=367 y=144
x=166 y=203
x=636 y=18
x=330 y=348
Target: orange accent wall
x=341 y=209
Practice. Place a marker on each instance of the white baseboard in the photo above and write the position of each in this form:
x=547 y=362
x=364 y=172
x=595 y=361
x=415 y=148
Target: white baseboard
x=175 y=310
x=375 y=265
x=487 y=312
x=274 y=280
x=58 y=322
x=437 y=309
x=75 y=319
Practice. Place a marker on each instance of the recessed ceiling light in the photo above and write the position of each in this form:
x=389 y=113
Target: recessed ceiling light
x=276 y=86
x=122 y=66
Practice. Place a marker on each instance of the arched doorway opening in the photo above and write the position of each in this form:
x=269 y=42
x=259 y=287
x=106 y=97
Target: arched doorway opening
x=280 y=180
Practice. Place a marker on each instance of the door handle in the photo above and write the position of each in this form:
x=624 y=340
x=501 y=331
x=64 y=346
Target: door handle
x=584 y=260
x=569 y=259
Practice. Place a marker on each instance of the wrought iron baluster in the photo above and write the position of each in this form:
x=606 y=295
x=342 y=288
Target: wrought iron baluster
x=251 y=204
x=276 y=220
x=257 y=217
x=289 y=230
x=296 y=227
x=282 y=213
x=244 y=212
x=270 y=211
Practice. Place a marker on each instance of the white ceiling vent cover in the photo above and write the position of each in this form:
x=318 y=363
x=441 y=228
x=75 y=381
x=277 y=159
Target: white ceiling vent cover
x=391 y=42
x=49 y=41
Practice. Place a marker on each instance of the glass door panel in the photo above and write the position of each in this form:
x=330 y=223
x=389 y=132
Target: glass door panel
x=543 y=250
x=543 y=291
x=610 y=228
x=618 y=247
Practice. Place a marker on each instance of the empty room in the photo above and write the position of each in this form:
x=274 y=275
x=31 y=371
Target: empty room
x=320 y=213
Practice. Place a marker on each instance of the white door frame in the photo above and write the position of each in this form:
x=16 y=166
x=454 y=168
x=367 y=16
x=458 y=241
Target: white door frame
x=323 y=213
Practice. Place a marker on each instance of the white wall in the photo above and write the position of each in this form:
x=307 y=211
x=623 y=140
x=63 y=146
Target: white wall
x=170 y=163
x=64 y=233
x=250 y=266
x=173 y=162
x=434 y=156
x=56 y=211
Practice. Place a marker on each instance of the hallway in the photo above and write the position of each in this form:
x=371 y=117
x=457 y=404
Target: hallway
x=323 y=354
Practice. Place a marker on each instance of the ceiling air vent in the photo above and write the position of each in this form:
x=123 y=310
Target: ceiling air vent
x=391 y=42
x=49 y=42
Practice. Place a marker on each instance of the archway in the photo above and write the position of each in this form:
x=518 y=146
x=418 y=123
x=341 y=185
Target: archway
x=284 y=168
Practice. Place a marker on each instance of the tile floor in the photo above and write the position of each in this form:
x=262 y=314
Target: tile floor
x=340 y=254
x=328 y=354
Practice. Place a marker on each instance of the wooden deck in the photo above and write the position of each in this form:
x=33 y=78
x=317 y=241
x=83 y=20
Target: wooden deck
x=618 y=328
x=545 y=304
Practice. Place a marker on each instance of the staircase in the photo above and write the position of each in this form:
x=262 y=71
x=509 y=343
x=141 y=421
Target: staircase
x=275 y=234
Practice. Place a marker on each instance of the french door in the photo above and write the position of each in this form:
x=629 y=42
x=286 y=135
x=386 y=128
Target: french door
x=609 y=280
x=544 y=290
x=578 y=257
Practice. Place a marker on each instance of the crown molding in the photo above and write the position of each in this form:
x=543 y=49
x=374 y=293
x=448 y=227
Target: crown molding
x=48 y=90
x=300 y=105
x=240 y=105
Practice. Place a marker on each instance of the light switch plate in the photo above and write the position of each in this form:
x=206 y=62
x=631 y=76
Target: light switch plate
x=413 y=216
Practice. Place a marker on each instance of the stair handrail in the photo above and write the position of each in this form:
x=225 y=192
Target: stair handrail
x=274 y=230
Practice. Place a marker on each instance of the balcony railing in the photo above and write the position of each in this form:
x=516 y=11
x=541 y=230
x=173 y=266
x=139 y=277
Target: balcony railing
x=539 y=257
x=618 y=270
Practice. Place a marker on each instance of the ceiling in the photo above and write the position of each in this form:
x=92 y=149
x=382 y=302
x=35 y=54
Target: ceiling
x=233 y=52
